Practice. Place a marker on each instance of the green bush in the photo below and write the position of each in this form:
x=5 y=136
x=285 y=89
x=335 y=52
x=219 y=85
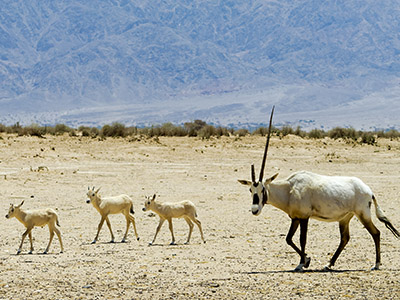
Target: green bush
x=114 y=130
x=316 y=134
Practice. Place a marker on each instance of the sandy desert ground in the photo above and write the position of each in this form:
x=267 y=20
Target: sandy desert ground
x=245 y=257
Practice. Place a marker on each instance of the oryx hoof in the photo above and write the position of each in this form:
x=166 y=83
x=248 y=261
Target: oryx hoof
x=30 y=252
x=151 y=244
x=172 y=244
x=94 y=242
x=112 y=242
x=307 y=263
x=328 y=268
x=45 y=252
x=123 y=241
x=376 y=268
x=18 y=251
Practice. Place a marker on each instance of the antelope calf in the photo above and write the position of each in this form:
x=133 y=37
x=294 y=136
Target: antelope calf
x=121 y=204
x=32 y=218
x=167 y=211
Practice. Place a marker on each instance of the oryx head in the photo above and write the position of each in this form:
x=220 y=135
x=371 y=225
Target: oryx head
x=258 y=189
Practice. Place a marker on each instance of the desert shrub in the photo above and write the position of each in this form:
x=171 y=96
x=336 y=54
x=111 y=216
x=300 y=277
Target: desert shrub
x=368 y=138
x=60 y=129
x=286 y=130
x=316 y=134
x=242 y=132
x=343 y=133
x=299 y=132
x=260 y=131
x=33 y=130
x=207 y=131
x=89 y=131
x=192 y=128
x=3 y=128
x=114 y=130
x=221 y=131
x=131 y=131
x=169 y=129
x=390 y=134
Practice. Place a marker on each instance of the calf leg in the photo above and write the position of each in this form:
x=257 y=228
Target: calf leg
x=134 y=226
x=51 y=238
x=128 y=221
x=31 y=242
x=172 y=231
x=198 y=223
x=190 y=223
x=344 y=239
x=27 y=231
x=157 y=230
x=109 y=227
x=59 y=239
x=98 y=229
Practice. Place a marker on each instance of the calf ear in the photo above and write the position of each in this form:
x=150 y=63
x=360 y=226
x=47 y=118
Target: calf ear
x=97 y=190
x=245 y=182
x=269 y=180
x=21 y=203
x=154 y=197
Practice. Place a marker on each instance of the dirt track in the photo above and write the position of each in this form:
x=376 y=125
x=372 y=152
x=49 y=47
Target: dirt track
x=245 y=257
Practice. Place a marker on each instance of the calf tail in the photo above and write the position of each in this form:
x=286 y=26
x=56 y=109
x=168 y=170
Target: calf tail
x=131 y=209
x=58 y=224
x=381 y=217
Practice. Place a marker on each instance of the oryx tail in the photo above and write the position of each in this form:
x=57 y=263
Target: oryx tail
x=381 y=217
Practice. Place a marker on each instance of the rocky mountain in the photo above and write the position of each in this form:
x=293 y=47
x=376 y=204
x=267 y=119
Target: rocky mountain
x=321 y=63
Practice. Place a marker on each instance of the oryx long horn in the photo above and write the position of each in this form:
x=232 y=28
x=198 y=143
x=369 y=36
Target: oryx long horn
x=253 y=174
x=266 y=145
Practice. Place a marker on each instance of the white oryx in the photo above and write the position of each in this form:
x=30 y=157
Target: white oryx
x=121 y=204
x=304 y=195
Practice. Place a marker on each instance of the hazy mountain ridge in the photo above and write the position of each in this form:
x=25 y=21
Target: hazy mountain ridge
x=61 y=59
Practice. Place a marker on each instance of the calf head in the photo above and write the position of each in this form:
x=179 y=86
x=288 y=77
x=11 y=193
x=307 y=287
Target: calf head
x=12 y=211
x=149 y=202
x=92 y=194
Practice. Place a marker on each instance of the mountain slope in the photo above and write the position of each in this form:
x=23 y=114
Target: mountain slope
x=80 y=55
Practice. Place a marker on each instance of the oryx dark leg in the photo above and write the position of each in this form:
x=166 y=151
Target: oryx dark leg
x=292 y=230
x=304 y=260
x=376 y=235
x=344 y=239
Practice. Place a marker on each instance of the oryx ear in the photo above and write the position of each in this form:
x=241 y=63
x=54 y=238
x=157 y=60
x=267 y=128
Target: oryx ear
x=21 y=203
x=269 y=180
x=245 y=182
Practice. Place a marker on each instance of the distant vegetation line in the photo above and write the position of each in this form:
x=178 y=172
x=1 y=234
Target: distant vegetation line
x=196 y=128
